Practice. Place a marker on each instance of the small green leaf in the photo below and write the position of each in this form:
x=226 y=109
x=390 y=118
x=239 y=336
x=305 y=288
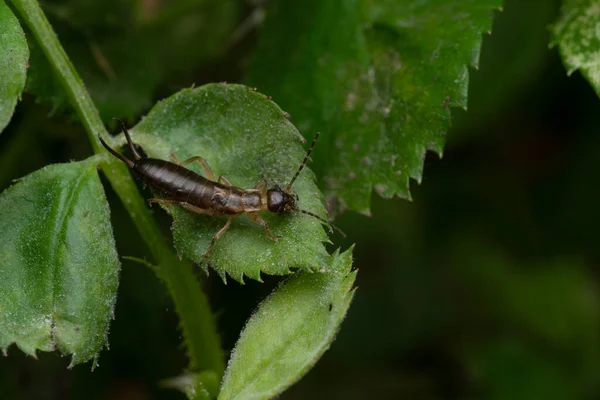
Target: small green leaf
x=376 y=77
x=58 y=263
x=289 y=332
x=245 y=137
x=13 y=63
x=577 y=33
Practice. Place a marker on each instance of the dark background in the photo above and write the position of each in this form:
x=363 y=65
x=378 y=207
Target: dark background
x=485 y=286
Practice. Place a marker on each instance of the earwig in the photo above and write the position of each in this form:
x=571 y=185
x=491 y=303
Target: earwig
x=209 y=196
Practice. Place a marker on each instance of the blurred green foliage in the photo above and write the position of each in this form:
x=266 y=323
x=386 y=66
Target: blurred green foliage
x=485 y=286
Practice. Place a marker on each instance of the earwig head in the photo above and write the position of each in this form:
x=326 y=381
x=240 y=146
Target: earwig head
x=280 y=201
x=284 y=201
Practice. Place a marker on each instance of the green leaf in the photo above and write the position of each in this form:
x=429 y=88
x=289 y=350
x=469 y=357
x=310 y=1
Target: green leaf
x=376 y=77
x=13 y=63
x=245 y=137
x=577 y=34
x=289 y=332
x=58 y=263
x=99 y=39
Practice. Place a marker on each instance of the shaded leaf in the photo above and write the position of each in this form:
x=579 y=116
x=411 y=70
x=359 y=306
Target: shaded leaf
x=99 y=37
x=13 y=63
x=245 y=137
x=58 y=262
x=289 y=332
x=377 y=77
x=577 y=34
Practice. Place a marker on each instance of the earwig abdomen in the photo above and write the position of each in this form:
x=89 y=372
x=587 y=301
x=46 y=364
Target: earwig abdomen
x=181 y=184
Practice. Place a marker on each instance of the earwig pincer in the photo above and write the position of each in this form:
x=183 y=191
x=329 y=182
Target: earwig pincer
x=207 y=195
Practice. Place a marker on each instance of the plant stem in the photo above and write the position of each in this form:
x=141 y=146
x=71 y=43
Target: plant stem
x=191 y=303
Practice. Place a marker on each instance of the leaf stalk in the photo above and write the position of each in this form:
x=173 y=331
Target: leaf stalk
x=192 y=305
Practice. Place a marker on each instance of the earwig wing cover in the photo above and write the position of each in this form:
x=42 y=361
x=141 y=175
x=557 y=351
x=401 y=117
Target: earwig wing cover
x=245 y=137
x=13 y=63
x=58 y=262
x=289 y=332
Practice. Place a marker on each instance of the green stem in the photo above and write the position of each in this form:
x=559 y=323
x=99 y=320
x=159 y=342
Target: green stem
x=192 y=305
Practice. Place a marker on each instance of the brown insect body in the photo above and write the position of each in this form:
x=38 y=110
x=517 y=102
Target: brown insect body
x=180 y=184
x=209 y=196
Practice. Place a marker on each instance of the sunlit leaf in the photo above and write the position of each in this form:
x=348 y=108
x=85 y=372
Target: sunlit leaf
x=289 y=332
x=58 y=262
x=378 y=78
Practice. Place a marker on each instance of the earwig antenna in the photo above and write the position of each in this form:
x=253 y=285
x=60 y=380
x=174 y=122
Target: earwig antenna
x=287 y=189
x=126 y=160
x=131 y=146
x=331 y=226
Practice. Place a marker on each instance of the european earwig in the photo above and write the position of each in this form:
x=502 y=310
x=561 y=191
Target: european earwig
x=209 y=196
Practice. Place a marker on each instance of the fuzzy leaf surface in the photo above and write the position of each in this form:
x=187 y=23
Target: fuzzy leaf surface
x=245 y=137
x=58 y=263
x=13 y=63
x=289 y=332
x=577 y=34
x=378 y=78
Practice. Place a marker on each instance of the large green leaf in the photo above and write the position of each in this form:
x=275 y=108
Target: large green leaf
x=289 y=332
x=13 y=63
x=577 y=33
x=245 y=137
x=58 y=263
x=377 y=77
x=124 y=49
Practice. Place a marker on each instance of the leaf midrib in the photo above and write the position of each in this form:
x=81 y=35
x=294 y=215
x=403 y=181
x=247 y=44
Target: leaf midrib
x=284 y=348
x=62 y=214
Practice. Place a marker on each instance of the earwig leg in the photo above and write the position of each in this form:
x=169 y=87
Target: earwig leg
x=216 y=237
x=196 y=210
x=262 y=185
x=174 y=158
x=258 y=219
x=185 y=205
x=224 y=181
x=205 y=167
x=162 y=201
